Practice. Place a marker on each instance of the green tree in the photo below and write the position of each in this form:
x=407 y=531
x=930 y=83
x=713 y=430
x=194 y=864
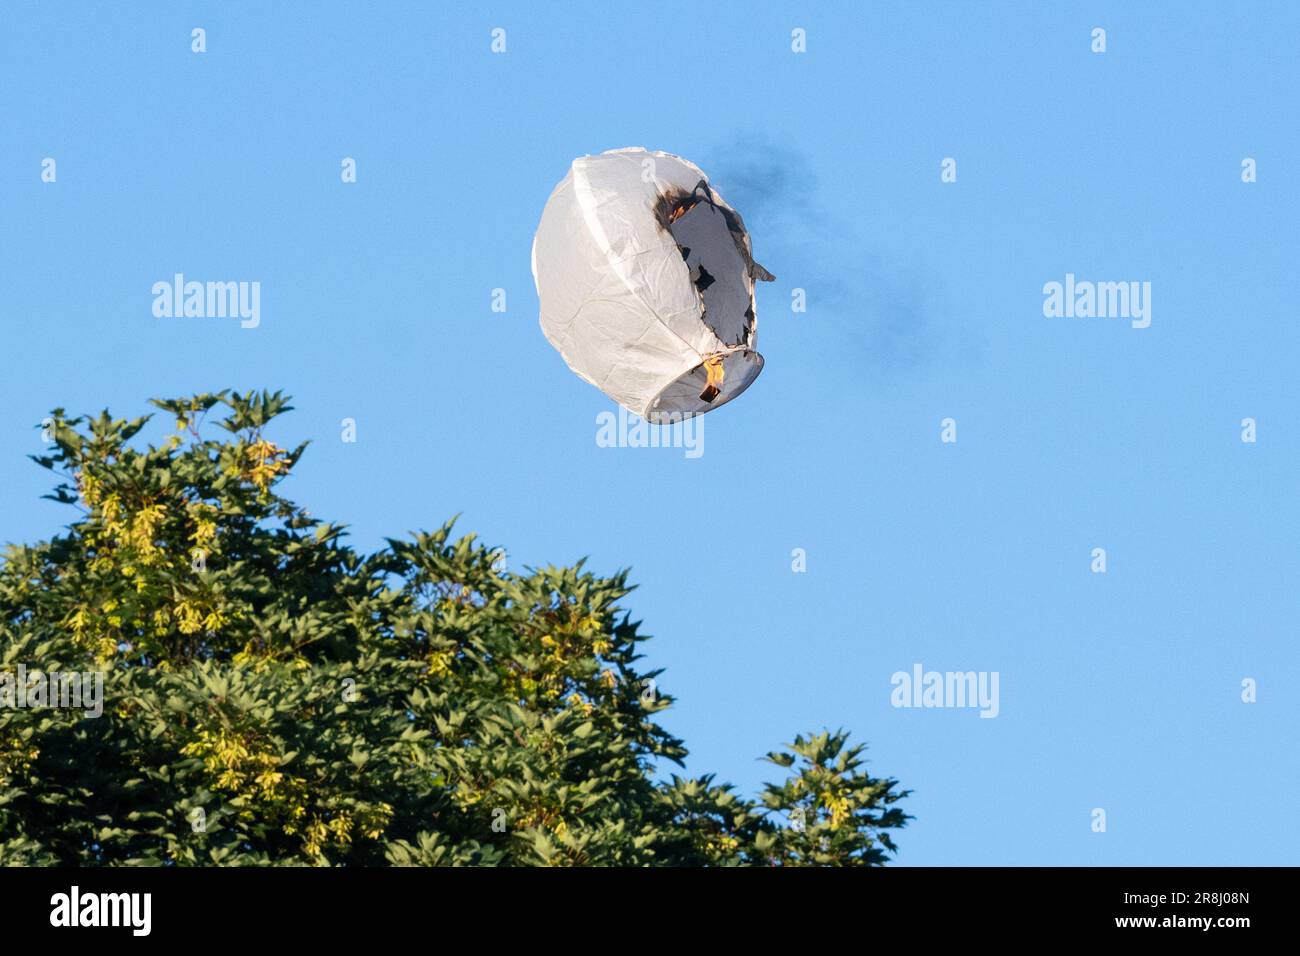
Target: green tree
x=271 y=696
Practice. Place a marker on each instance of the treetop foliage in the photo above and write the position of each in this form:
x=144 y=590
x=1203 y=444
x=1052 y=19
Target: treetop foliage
x=273 y=697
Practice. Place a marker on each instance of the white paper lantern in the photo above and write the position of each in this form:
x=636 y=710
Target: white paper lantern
x=646 y=281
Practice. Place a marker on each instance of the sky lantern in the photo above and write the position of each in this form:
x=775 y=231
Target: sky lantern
x=646 y=280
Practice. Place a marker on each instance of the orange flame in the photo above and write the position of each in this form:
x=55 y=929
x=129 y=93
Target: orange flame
x=679 y=212
x=715 y=372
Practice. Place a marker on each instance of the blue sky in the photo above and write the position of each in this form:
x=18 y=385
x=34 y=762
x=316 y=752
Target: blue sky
x=925 y=301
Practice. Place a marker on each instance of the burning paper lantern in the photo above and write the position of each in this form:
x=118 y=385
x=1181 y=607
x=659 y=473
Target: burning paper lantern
x=646 y=281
